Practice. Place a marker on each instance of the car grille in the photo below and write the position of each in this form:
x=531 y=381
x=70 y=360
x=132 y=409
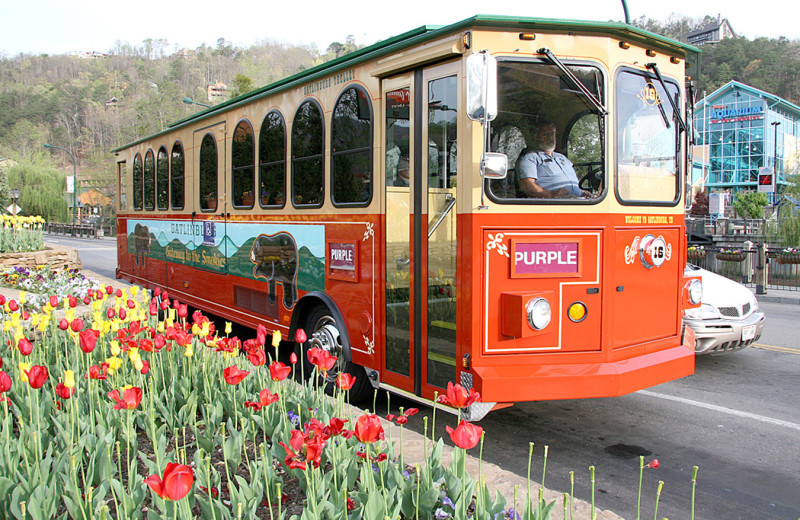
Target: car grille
x=732 y=346
x=735 y=312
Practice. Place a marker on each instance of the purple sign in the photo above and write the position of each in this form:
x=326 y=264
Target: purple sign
x=342 y=256
x=545 y=258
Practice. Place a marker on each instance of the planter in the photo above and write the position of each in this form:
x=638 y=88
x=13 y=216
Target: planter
x=731 y=257
x=788 y=259
x=696 y=254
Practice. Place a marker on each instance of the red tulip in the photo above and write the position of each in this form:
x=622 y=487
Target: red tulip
x=293 y=358
x=109 y=289
x=183 y=311
x=159 y=342
x=5 y=382
x=157 y=292
x=63 y=392
x=110 y=313
x=457 y=396
x=257 y=357
x=466 y=435
x=300 y=336
x=63 y=324
x=164 y=305
x=12 y=304
x=653 y=464
x=123 y=314
x=345 y=381
x=73 y=301
x=153 y=309
x=118 y=293
x=176 y=483
x=98 y=295
x=98 y=371
x=321 y=358
x=145 y=367
x=87 y=300
x=164 y=295
x=234 y=376
x=25 y=346
x=130 y=398
x=265 y=398
x=37 y=376
x=131 y=304
x=368 y=428
x=278 y=371
x=261 y=334
x=53 y=300
x=76 y=325
x=88 y=339
x=2 y=300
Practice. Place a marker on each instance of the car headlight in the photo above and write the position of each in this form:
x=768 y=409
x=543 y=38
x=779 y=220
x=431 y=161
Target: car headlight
x=704 y=312
x=539 y=313
x=695 y=291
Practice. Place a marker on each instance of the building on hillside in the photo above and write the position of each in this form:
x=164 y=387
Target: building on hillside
x=741 y=131
x=713 y=32
x=218 y=91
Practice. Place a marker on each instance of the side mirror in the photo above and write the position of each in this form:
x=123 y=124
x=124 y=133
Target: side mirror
x=494 y=165
x=481 y=87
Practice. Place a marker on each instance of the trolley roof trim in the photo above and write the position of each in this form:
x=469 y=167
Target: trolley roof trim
x=430 y=32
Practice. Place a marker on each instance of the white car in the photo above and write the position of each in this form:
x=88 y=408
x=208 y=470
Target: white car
x=728 y=318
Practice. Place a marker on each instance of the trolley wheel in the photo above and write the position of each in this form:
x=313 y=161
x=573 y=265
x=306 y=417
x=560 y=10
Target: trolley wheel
x=323 y=332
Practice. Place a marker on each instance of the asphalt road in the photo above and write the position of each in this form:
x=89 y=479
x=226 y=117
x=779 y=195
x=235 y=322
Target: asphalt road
x=737 y=418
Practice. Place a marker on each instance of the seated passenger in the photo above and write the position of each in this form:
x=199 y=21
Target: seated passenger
x=545 y=173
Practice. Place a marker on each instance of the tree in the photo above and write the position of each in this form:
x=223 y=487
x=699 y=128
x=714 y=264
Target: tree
x=42 y=189
x=750 y=203
x=241 y=85
x=700 y=205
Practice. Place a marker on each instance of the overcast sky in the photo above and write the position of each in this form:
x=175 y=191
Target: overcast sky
x=63 y=26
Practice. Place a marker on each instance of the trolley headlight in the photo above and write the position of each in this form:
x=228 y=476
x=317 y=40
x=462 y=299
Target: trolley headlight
x=695 y=291
x=539 y=313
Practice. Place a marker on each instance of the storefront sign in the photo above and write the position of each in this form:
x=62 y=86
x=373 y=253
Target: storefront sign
x=727 y=115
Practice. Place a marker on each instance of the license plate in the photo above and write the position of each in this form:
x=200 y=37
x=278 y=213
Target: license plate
x=748 y=332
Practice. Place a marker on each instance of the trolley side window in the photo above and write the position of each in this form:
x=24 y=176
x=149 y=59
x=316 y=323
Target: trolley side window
x=149 y=181
x=307 y=156
x=351 y=153
x=272 y=161
x=138 y=178
x=647 y=140
x=162 y=179
x=208 y=173
x=176 y=176
x=551 y=133
x=243 y=166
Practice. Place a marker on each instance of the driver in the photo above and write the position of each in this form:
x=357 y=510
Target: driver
x=545 y=173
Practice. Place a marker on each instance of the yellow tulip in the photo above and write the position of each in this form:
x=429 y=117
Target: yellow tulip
x=114 y=363
x=228 y=327
x=188 y=352
x=22 y=368
x=23 y=297
x=6 y=326
x=138 y=364
x=161 y=328
x=114 y=348
x=69 y=379
x=15 y=319
x=276 y=338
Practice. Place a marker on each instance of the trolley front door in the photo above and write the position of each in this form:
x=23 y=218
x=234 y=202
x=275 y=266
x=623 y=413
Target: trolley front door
x=420 y=167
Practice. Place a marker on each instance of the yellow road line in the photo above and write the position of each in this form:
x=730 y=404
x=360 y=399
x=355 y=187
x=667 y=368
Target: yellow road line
x=774 y=348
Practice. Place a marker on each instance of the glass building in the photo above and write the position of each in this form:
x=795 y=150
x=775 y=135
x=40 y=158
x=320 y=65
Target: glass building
x=740 y=130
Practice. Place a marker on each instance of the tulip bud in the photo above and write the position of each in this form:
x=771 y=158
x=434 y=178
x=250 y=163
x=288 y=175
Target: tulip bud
x=110 y=313
x=73 y=301
x=87 y=300
x=300 y=336
x=63 y=324
x=53 y=301
x=123 y=314
x=76 y=325
x=119 y=293
x=109 y=289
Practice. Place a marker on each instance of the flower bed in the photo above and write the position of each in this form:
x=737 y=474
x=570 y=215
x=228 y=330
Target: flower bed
x=138 y=410
x=19 y=234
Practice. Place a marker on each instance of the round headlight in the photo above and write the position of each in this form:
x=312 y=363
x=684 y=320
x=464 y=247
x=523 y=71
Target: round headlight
x=539 y=313
x=695 y=291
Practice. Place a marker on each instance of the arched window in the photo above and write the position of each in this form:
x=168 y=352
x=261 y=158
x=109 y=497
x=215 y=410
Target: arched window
x=162 y=179
x=176 y=176
x=243 y=166
x=307 y=156
x=351 y=149
x=272 y=161
x=138 y=179
x=208 y=173
x=149 y=181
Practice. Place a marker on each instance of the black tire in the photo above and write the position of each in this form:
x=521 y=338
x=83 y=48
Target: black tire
x=323 y=332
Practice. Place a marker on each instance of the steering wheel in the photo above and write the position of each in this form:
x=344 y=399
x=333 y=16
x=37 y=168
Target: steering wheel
x=593 y=179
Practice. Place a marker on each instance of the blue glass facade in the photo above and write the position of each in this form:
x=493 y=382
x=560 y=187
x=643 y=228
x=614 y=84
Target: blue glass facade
x=737 y=127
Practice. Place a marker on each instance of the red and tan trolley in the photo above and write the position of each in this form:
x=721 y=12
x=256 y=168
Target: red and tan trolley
x=381 y=202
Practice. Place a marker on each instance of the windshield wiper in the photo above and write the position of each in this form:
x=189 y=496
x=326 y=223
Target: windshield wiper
x=573 y=79
x=654 y=68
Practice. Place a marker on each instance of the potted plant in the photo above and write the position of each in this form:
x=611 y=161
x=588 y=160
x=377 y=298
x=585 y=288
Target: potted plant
x=730 y=255
x=696 y=253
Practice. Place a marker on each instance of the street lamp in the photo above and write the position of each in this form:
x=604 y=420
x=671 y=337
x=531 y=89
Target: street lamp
x=74 y=182
x=190 y=101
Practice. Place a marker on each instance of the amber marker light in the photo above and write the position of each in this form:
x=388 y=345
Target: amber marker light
x=674 y=60
x=650 y=52
x=624 y=45
x=577 y=312
x=466 y=40
x=527 y=36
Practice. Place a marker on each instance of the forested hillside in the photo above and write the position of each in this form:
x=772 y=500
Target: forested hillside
x=92 y=105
